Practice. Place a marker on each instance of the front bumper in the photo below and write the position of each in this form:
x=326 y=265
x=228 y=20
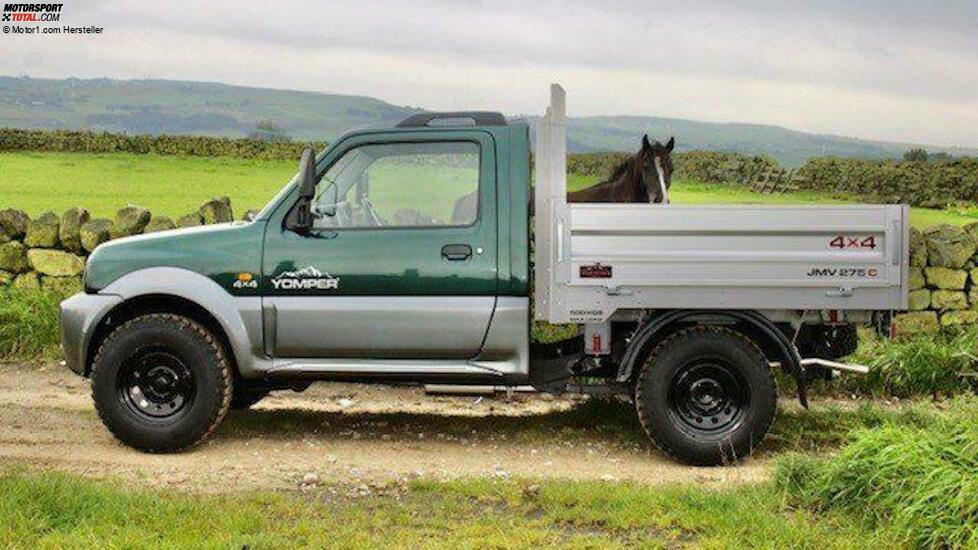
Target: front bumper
x=80 y=315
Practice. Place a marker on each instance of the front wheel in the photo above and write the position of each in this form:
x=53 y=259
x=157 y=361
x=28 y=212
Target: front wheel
x=706 y=396
x=161 y=383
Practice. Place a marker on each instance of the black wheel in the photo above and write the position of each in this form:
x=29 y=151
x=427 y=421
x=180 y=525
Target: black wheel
x=244 y=397
x=706 y=396
x=161 y=383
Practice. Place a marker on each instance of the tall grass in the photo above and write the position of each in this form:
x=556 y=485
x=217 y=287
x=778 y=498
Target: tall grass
x=926 y=365
x=916 y=480
x=826 y=428
x=29 y=323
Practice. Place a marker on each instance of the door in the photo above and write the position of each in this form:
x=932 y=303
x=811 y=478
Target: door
x=401 y=262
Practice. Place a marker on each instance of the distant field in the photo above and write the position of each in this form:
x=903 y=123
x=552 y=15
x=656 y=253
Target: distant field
x=174 y=186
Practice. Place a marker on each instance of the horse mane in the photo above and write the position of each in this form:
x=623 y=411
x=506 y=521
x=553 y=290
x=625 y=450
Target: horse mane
x=623 y=167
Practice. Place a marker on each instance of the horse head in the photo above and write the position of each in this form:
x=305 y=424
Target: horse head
x=654 y=161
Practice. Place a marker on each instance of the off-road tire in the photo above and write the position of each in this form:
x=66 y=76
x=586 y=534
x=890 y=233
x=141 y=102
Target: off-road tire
x=175 y=339
x=670 y=414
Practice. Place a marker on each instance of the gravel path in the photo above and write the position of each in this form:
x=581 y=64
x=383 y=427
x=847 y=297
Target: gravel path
x=358 y=435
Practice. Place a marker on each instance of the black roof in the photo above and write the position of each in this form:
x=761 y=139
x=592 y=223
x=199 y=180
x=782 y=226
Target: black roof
x=477 y=118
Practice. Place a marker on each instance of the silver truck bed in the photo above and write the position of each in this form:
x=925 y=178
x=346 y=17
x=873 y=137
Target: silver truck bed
x=595 y=259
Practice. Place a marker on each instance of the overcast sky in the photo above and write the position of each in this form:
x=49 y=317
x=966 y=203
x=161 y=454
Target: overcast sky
x=881 y=69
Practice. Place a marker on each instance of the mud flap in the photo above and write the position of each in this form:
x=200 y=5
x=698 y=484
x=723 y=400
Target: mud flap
x=550 y=364
x=799 y=372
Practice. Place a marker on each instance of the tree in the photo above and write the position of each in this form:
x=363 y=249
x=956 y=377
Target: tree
x=916 y=155
x=268 y=130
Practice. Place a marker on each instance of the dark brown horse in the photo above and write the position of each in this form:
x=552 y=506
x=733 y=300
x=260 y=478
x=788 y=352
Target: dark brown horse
x=644 y=177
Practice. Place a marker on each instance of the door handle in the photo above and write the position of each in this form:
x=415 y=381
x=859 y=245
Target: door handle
x=456 y=252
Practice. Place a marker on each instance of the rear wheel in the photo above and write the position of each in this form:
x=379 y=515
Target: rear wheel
x=161 y=383
x=706 y=396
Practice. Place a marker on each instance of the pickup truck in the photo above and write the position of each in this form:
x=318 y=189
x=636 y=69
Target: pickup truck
x=403 y=255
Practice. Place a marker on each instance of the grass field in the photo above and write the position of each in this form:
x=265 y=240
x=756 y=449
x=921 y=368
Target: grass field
x=174 y=186
x=58 y=510
x=171 y=186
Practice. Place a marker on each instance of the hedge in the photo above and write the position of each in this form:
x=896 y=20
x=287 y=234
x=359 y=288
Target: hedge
x=83 y=141
x=929 y=184
x=704 y=166
x=934 y=184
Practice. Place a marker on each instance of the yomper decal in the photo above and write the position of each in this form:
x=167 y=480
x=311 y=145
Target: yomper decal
x=307 y=278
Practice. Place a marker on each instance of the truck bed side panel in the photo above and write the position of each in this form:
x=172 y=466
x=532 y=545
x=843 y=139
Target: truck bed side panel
x=733 y=257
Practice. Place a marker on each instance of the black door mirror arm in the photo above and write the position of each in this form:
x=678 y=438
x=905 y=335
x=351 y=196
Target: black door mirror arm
x=300 y=217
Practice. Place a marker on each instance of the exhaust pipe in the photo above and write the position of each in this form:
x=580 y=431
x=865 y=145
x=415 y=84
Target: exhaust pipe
x=846 y=367
x=825 y=363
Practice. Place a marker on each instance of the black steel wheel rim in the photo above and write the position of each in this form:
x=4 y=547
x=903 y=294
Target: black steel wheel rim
x=156 y=385
x=708 y=397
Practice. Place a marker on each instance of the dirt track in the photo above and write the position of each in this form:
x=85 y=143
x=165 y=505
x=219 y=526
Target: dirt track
x=353 y=434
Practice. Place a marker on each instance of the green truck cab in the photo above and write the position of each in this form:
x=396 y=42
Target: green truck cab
x=403 y=255
x=413 y=266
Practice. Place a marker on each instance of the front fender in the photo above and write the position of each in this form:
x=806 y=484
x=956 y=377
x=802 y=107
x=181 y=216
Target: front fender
x=81 y=316
x=239 y=316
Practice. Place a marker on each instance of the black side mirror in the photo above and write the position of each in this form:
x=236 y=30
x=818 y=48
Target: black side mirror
x=300 y=218
x=307 y=173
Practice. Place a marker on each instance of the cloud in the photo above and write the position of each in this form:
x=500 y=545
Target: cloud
x=879 y=69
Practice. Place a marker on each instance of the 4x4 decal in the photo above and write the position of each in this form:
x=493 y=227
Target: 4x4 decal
x=245 y=280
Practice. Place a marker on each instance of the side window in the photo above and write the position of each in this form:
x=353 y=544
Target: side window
x=433 y=184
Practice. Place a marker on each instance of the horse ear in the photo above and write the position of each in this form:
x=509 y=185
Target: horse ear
x=671 y=144
x=645 y=142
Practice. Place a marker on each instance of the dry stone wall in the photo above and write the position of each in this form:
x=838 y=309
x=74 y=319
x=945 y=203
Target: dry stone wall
x=50 y=250
x=943 y=280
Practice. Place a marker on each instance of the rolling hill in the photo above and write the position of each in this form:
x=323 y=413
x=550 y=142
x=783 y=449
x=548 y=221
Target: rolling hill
x=790 y=147
x=182 y=107
x=178 y=107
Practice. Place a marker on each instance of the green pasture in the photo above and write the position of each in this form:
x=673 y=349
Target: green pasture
x=174 y=186
x=167 y=185
x=49 y=510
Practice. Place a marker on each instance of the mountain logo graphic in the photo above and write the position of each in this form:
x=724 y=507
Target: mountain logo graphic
x=304 y=273
x=307 y=278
